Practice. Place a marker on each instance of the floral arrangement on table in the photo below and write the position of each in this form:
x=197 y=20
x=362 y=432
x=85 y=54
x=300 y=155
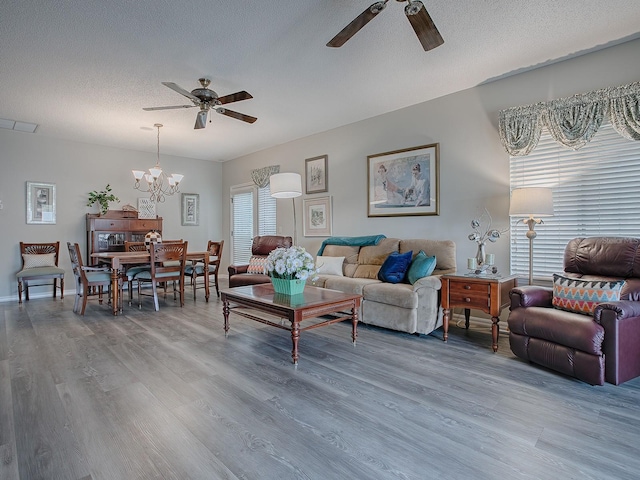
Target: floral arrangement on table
x=482 y=235
x=293 y=263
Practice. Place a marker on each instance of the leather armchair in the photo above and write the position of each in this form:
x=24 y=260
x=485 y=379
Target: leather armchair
x=594 y=348
x=261 y=247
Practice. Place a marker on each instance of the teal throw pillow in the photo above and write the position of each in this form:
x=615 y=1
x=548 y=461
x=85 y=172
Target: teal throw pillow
x=421 y=266
x=395 y=267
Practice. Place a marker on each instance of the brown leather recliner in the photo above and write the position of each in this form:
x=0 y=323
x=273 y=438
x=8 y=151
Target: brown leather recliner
x=261 y=247
x=594 y=348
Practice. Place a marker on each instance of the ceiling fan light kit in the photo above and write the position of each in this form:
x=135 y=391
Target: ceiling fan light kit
x=416 y=13
x=207 y=100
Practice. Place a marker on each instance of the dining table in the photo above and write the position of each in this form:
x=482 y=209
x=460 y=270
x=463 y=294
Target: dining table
x=117 y=261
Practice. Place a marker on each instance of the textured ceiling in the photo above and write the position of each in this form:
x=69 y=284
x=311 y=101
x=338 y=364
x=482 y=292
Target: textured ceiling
x=84 y=69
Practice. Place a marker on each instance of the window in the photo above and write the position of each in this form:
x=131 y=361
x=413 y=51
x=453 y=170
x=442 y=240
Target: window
x=596 y=192
x=253 y=212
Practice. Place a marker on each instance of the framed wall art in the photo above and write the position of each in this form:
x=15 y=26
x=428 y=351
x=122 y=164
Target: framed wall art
x=41 y=203
x=404 y=182
x=317 y=217
x=146 y=208
x=316 y=174
x=190 y=209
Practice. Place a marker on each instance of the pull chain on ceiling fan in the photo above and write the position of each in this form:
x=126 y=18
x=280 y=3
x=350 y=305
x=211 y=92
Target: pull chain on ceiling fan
x=416 y=13
x=207 y=100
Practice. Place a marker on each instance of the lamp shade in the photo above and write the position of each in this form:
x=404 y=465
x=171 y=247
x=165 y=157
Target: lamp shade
x=531 y=202
x=285 y=185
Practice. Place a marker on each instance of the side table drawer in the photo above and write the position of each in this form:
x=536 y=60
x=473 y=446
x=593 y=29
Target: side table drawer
x=469 y=295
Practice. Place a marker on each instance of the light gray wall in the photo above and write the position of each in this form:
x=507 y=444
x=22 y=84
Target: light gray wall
x=77 y=169
x=474 y=168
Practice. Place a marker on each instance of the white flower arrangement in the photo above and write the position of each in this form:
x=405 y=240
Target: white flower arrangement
x=290 y=264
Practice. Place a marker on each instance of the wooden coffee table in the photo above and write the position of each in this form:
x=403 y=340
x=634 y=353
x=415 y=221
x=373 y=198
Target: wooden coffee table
x=313 y=303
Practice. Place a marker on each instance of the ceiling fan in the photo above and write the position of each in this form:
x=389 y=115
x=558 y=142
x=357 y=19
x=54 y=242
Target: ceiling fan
x=207 y=100
x=416 y=14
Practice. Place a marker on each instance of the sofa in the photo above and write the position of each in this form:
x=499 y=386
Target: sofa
x=399 y=306
x=587 y=325
x=252 y=273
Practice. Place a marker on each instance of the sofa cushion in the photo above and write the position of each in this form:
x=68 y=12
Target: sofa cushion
x=377 y=254
x=582 y=296
x=329 y=265
x=256 y=264
x=399 y=295
x=421 y=266
x=348 y=285
x=395 y=267
x=443 y=250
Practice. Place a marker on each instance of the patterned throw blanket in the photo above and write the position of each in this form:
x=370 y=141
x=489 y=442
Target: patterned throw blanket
x=351 y=241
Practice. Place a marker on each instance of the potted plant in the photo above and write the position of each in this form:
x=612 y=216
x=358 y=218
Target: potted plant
x=289 y=269
x=102 y=198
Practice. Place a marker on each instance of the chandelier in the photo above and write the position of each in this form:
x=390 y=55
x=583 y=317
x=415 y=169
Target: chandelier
x=157 y=182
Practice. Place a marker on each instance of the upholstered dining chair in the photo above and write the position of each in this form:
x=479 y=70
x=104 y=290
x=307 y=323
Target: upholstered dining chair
x=90 y=281
x=168 y=261
x=196 y=270
x=130 y=273
x=39 y=263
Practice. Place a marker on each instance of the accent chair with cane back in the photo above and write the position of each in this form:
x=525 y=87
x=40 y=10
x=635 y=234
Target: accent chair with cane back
x=39 y=264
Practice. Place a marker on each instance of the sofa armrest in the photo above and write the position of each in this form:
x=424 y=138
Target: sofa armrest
x=432 y=282
x=616 y=310
x=235 y=269
x=531 y=296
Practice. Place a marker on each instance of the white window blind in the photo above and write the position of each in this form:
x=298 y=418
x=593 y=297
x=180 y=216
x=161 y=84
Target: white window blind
x=266 y=212
x=596 y=192
x=253 y=212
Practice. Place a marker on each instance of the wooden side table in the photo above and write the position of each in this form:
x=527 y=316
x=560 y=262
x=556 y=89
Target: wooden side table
x=487 y=293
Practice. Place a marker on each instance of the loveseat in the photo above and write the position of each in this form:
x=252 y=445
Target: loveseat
x=588 y=324
x=412 y=308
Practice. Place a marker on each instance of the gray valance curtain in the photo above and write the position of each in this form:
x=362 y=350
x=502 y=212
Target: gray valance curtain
x=571 y=121
x=260 y=176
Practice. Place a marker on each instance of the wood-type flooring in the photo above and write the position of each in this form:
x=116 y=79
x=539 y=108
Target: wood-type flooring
x=164 y=395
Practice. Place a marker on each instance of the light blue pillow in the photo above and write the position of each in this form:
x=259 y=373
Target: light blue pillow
x=421 y=266
x=395 y=267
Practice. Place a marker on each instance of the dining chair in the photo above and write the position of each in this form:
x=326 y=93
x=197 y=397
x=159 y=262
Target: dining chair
x=196 y=269
x=168 y=262
x=130 y=273
x=39 y=263
x=90 y=281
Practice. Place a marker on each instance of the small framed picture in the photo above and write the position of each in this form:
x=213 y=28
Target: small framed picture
x=41 y=203
x=404 y=182
x=146 y=208
x=316 y=174
x=317 y=217
x=190 y=209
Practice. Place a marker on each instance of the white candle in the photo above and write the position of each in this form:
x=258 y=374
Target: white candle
x=471 y=263
x=490 y=258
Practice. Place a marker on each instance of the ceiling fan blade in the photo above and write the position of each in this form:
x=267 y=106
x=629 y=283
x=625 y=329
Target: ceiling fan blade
x=354 y=27
x=234 y=97
x=424 y=27
x=150 y=109
x=236 y=115
x=201 y=119
x=181 y=91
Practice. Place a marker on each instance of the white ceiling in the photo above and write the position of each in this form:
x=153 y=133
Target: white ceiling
x=84 y=69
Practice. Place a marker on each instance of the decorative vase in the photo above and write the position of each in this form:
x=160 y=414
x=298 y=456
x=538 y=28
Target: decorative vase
x=152 y=237
x=480 y=255
x=288 y=287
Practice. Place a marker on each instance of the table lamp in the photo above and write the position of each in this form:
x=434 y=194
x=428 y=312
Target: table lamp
x=531 y=203
x=287 y=185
